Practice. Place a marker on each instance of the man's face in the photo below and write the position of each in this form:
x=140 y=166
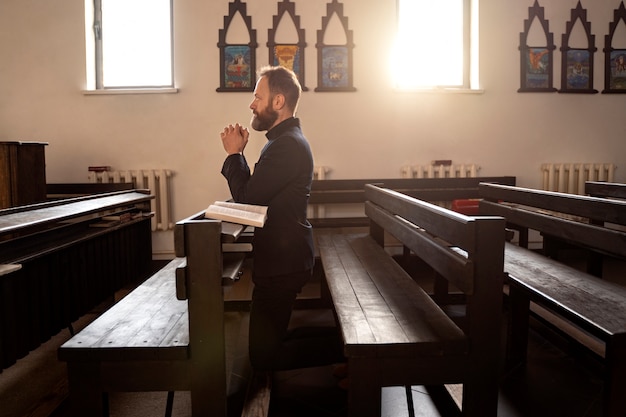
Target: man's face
x=263 y=115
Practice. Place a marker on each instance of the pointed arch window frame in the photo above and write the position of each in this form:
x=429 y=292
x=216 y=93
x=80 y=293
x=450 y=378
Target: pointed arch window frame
x=570 y=65
x=230 y=70
x=547 y=54
x=287 y=7
x=613 y=83
x=334 y=62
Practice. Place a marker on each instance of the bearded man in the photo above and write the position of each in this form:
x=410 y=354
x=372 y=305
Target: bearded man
x=283 y=247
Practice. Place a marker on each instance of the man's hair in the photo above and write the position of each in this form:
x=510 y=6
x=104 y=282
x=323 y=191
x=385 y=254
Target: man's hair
x=283 y=81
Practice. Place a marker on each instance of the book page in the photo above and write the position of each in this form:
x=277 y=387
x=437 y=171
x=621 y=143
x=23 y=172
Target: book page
x=245 y=207
x=229 y=214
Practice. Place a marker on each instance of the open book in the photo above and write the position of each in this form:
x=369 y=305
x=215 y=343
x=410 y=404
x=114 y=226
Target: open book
x=247 y=214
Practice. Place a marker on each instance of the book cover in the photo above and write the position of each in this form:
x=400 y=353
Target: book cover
x=247 y=214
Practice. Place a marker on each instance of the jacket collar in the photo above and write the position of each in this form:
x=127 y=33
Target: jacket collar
x=282 y=127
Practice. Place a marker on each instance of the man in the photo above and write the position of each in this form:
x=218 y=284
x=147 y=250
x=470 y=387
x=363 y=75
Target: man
x=283 y=248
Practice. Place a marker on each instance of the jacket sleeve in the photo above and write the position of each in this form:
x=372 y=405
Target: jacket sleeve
x=277 y=166
x=237 y=172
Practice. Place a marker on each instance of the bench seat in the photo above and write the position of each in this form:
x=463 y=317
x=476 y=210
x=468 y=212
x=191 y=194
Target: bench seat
x=399 y=319
x=569 y=291
x=150 y=322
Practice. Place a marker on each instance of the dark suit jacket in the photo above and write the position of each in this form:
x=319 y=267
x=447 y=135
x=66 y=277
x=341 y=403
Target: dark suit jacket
x=282 y=181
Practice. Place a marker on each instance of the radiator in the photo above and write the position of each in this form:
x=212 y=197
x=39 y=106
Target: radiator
x=158 y=181
x=319 y=173
x=440 y=171
x=571 y=177
x=316 y=210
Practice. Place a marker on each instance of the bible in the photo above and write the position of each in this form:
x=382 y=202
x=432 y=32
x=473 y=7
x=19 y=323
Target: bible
x=248 y=214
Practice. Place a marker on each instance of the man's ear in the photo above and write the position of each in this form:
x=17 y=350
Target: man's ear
x=278 y=102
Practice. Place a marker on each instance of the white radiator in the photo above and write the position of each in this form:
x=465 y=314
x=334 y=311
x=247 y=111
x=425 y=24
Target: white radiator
x=317 y=210
x=440 y=171
x=571 y=177
x=319 y=173
x=156 y=180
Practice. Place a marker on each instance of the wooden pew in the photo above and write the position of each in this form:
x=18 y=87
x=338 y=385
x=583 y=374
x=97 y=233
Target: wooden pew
x=393 y=332
x=63 y=266
x=329 y=194
x=605 y=189
x=584 y=301
x=168 y=333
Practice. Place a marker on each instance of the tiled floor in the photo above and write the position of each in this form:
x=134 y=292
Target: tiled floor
x=557 y=381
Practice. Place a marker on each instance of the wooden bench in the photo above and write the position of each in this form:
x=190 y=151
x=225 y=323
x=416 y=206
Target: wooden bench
x=588 y=302
x=349 y=195
x=605 y=189
x=394 y=333
x=167 y=334
x=63 y=266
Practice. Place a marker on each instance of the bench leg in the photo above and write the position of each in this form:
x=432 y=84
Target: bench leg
x=208 y=398
x=170 y=404
x=86 y=396
x=517 y=340
x=364 y=395
x=615 y=378
x=480 y=397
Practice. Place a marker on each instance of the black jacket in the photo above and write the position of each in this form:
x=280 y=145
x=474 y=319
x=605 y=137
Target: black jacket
x=282 y=181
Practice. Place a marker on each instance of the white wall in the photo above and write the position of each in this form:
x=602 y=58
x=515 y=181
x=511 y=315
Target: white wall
x=370 y=133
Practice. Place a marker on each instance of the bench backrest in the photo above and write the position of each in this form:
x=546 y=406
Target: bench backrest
x=466 y=251
x=586 y=221
x=345 y=198
x=429 y=189
x=605 y=189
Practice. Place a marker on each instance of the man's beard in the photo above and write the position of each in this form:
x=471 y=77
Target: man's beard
x=264 y=120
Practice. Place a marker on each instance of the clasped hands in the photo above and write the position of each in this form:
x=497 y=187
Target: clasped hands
x=234 y=138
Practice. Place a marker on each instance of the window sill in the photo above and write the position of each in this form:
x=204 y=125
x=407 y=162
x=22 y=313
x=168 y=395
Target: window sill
x=123 y=91
x=441 y=90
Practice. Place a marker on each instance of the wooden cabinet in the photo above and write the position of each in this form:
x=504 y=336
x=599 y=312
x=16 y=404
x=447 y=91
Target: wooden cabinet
x=22 y=173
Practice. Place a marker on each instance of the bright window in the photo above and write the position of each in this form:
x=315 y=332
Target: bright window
x=132 y=44
x=434 y=44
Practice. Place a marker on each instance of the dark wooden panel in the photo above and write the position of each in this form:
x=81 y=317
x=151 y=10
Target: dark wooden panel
x=605 y=189
x=22 y=173
x=597 y=209
x=68 y=190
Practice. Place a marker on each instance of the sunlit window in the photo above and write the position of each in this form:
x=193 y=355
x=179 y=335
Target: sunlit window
x=433 y=44
x=133 y=43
